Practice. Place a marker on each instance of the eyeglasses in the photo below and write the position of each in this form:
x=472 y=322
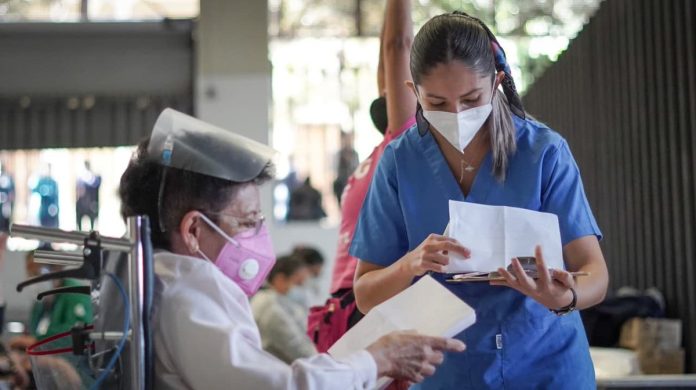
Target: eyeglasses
x=251 y=225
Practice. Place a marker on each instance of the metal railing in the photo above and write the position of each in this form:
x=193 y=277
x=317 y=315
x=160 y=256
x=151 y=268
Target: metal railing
x=134 y=245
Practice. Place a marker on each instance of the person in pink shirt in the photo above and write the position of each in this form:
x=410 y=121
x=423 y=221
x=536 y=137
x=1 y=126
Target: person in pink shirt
x=393 y=113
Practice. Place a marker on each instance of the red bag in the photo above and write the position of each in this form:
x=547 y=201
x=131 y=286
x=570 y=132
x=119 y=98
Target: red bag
x=326 y=324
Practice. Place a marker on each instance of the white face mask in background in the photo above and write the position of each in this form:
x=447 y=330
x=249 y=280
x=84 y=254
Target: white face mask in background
x=313 y=285
x=298 y=295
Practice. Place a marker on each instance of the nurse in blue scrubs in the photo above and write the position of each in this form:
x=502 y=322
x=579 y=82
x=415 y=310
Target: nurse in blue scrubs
x=475 y=143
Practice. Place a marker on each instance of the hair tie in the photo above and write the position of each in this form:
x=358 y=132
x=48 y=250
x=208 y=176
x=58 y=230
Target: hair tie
x=500 y=58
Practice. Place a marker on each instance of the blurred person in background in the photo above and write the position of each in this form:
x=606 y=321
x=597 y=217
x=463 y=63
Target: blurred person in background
x=281 y=319
x=87 y=191
x=313 y=293
x=347 y=162
x=43 y=203
x=3 y=247
x=7 y=198
x=305 y=203
x=393 y=112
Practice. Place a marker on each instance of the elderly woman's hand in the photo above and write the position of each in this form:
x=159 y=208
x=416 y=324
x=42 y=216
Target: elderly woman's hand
x=409 y=356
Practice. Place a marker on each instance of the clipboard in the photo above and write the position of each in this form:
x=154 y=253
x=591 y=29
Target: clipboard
x=494 y=276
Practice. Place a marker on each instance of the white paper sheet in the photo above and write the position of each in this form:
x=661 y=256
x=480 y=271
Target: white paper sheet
x=426 y=307
x=496 y=234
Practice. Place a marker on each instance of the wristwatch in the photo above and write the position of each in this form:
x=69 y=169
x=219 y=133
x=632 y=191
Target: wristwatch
x=568 y=309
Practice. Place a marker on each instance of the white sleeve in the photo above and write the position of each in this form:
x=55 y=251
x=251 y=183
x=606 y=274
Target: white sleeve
x=357 y=371
x=214 y=344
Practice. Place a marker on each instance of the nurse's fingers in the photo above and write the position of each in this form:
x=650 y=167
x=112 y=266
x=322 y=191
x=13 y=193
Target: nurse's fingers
x=563 y=277
x=542 y=271
x=449 y=246
x=434 y=267
x=440 y=237
x=510 y=279
x=433 y=262
x=523 y=280
x=437 y=258
x=435 y=245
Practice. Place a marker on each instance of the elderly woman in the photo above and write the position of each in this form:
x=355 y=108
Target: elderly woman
x=199 y=185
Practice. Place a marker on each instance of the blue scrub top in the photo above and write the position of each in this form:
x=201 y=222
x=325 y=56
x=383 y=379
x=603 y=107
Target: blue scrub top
x=516 y=342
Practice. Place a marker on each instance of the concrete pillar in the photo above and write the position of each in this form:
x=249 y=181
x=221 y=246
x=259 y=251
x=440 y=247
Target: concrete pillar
x=233 y=74
x=233 y=90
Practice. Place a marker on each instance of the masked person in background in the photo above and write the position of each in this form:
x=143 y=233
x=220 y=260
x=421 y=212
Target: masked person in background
x=311 y=292
x=282 y=321
x=199 y=185
x=392 y=114
x=3 y=247
x=7 y=199
x=44 y=201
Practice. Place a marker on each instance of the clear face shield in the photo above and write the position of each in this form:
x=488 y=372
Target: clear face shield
x=183 y=142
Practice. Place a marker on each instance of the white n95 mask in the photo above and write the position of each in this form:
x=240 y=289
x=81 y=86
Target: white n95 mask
x=460 y=128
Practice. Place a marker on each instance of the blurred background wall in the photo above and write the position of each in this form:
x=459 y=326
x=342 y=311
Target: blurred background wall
x=624 y=95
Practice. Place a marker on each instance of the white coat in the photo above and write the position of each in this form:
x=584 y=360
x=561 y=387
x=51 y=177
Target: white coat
x=206 y=338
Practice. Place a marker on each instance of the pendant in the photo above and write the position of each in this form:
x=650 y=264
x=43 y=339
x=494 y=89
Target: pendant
x=466 y=168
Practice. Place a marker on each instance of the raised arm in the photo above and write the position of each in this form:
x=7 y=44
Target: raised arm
x=397 y=36
x=381 y=88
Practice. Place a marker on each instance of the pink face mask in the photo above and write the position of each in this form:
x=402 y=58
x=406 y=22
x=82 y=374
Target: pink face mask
x=246 y=258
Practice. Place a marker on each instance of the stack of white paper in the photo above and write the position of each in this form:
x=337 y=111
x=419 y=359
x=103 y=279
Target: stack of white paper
x=426 y=307
x=496 y=234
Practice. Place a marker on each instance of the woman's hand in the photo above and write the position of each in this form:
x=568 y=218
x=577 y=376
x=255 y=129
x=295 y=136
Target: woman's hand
x=551 y=289
x=409 y=356
x=431 y=255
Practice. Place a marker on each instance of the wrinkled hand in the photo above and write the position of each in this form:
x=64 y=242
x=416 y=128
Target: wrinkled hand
x=431 y=255
x=409 y=356
x=551 y=289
